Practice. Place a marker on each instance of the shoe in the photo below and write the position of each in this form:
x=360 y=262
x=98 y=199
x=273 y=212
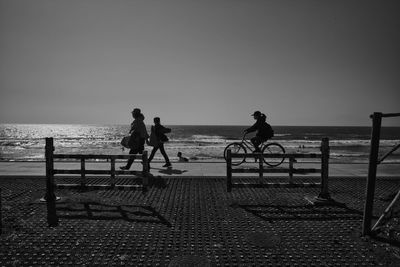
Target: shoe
x=167 y=165
x=124 y=168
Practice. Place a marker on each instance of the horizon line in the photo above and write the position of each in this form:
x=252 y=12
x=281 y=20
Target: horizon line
x=227 y=125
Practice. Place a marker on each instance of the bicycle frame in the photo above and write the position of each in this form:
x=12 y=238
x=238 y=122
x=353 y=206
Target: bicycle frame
x=249 y=145
x=246 y=144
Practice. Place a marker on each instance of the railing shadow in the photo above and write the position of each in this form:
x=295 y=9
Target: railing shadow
x=91 y=210
x=273 y=213
x=387 y=240
x=157 y=182
x=171 y=171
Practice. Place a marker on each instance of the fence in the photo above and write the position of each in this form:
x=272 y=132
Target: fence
x=372 y=168
x=50 y=196
x=324 y=156
x=1 y=219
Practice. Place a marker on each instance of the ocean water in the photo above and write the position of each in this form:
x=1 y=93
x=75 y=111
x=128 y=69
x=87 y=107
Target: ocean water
x=25 y=142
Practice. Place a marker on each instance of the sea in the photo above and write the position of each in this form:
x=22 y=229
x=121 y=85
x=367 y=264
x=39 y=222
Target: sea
x=26 y=142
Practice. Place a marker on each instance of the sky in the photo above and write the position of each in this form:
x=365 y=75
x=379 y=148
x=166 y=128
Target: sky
x=191 y=62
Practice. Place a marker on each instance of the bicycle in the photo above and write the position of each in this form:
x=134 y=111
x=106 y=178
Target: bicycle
x=266 y=148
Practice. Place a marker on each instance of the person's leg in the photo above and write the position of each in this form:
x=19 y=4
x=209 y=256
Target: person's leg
x=153 y=152
x=256 y=142
x=130 y=160
x=137 y=148
x=162 y=150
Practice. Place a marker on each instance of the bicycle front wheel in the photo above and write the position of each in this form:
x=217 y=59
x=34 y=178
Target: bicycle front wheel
x=235 y=148
x=274 y=148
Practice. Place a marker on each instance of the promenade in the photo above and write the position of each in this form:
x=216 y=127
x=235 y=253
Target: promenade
x=193 y=169
x=187 y=218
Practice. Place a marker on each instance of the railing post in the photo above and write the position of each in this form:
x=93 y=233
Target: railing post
x=229 y=170
x=261 y=168
x=324 y=169
x=372 y=167
x=83 y=176
x=291 y=161
x=112 y=179
x=324 y=197
x=50 y=197
x=1 y=220
x=145 y=173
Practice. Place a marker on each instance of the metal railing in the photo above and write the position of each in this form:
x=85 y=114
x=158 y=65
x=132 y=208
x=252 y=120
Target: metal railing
x=50 y=196
x=324 y=196
x=372 y=169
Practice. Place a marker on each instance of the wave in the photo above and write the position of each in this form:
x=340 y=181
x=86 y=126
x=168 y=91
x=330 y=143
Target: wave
x=211 y=139
x=199 y=138
x=194 y=142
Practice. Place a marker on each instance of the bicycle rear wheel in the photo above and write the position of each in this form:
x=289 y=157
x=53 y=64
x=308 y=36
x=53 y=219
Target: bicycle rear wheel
x=274 y=148
x=235 y=148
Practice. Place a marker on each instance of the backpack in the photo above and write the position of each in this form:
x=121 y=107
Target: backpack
x=269 y=131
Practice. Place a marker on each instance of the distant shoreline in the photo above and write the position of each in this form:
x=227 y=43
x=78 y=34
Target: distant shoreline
x=198 y=125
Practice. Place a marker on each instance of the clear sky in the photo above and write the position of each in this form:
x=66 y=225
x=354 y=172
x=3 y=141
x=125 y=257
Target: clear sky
x=199 y=62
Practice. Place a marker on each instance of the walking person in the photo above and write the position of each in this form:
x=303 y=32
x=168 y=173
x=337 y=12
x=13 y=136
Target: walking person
x=157 y=140
x=138 y=137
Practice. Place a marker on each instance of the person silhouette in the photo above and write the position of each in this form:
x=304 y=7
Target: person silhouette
x=138 y=137
x=264 y=130
x=157 y=140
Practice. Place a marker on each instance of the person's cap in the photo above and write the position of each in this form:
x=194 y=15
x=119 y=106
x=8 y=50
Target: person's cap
x=256 y=113
x=136 y=111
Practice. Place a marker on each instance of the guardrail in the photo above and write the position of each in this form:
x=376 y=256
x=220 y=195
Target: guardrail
x=50 y=196
x=324 y=156
x=372 y=169
x=1 y=219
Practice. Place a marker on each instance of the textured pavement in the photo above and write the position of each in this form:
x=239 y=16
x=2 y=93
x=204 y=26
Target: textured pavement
x=189 y=221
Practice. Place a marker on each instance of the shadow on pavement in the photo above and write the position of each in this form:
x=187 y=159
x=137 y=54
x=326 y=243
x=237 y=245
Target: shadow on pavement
x=390 y=241
x=91 y=210
x=171 y=171
x=271 y=213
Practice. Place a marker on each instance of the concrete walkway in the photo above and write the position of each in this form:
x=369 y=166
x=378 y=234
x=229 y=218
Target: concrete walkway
x=194 y=169
x=193 y=222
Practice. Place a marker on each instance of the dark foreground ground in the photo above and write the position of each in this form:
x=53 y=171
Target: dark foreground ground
x=195 y=222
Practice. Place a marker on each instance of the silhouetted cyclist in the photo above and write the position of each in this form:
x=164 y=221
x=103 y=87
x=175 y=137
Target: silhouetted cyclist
x=264 y=130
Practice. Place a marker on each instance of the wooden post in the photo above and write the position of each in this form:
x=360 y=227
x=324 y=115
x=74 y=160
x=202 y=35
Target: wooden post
x=112 y=179
x=50 y=197
x=324 y=169
x=372 y=167
x=83 y=176
x=145 y=173
x=261 y=168
x=291 y=161
x=229 y=170
x=1 y=224
x=324 y=198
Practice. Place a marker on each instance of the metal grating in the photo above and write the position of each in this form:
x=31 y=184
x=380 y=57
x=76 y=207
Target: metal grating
x=188 y=221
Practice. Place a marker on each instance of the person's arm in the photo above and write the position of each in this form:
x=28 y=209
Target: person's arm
x=251 y=129
x=133 y=127
x=164 y=130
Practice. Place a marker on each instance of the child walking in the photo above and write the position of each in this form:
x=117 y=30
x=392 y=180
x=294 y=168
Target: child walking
x=157 y=140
